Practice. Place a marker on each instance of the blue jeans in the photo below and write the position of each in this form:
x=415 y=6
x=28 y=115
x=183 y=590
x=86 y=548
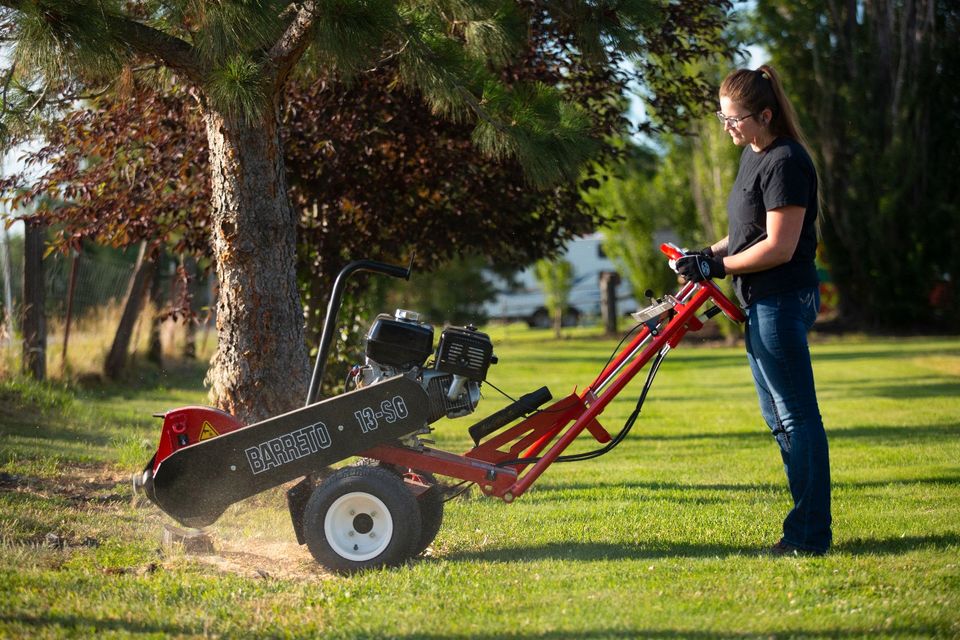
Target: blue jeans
x=777 y=349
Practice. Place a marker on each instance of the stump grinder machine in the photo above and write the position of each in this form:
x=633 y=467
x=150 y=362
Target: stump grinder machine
x=388 y=507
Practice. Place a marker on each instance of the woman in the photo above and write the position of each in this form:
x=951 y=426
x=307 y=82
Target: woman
x=770 y=251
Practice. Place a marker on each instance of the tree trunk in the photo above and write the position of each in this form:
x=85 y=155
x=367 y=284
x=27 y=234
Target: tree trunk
x=260 y=368
x=159 y=297
x=608 y=300
x=34 y=293
x=133 y=303
x=71 y=290
x=189 y=264
x=6 y=327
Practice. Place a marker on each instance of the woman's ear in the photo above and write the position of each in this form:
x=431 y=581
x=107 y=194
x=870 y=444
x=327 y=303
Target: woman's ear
x=766 y=116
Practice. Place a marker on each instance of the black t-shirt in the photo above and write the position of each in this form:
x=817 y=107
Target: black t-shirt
x=780 y=175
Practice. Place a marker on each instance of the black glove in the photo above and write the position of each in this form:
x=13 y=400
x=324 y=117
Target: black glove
x=696 y=267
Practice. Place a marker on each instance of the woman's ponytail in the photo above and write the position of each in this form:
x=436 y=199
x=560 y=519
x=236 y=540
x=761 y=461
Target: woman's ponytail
x=786 y=122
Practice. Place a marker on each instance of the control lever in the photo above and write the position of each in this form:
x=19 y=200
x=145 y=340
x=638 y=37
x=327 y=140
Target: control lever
x=657 y=311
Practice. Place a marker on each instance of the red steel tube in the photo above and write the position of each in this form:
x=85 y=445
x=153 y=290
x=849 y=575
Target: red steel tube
x=673 y=327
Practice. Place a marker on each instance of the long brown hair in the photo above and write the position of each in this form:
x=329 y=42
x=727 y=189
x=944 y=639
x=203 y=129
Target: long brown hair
x=761 y=89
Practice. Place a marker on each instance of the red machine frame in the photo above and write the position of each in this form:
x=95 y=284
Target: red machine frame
x=558 y=425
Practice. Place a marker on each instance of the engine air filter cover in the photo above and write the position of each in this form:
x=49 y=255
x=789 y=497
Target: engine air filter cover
x=464 y=352
x=399 y=343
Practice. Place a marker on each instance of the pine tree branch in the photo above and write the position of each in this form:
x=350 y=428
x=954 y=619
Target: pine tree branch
x=477 y=108
x=6 y=87
x=389 y=57
x=473 y=104
x=175 y=53
x=41 y=97
x=289 y=48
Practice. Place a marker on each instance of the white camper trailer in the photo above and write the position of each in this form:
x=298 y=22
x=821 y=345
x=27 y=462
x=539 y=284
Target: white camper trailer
x=526 y=302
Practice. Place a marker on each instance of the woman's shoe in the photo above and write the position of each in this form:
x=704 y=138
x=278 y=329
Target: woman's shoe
x=783 y=548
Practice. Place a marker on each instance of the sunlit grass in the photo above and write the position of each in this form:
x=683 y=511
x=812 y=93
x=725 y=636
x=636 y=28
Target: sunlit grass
x=663 y=537
x=89 y=340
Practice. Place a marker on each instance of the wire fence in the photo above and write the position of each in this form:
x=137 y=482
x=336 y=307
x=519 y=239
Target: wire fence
x=96 y=282
x=84 y=296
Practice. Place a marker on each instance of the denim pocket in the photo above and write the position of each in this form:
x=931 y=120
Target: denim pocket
x=809 y=305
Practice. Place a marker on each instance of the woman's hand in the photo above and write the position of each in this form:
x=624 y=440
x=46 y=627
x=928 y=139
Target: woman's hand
x=696 y=267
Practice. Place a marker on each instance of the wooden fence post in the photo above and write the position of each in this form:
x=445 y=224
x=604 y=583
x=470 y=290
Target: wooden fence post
x=608 y=300
x=34 y=300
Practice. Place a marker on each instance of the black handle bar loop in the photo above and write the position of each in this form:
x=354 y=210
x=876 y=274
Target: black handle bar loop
x=333 y=309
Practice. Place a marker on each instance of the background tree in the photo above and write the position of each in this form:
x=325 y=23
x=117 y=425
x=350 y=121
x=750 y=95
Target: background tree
x=137 y=292
x=236 y=59
x=452 y=294
x=6 y=282
x=645 y=197
x=556 y=280
x=678 y=192
x=877 y=84
x=34 y=322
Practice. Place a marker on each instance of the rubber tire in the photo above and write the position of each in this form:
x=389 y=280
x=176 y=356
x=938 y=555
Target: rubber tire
x=385 y=487
x=540 y=319
x=430 y=502
x=571 y=318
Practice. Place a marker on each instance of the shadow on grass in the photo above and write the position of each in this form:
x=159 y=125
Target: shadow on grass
x=897 y=545
x=594 y=551
x=567 y=491
x=589 y=552
x=873 y=432
x=48 y=434
x=867 y=484
x=43 y=624
x=543 y=492
x=907 y=352
x=823 y=353
x=897 y=434
x=596 y=634
x=48 y=623
x=938 y=389
x=143 y=376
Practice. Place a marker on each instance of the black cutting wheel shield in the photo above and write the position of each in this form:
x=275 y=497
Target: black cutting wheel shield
x=196 y=484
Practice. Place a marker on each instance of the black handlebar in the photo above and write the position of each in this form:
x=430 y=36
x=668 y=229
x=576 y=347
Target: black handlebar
x=524 y=404
x=333 y=309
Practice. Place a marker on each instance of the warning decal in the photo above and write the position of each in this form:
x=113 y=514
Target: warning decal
x=207 y=431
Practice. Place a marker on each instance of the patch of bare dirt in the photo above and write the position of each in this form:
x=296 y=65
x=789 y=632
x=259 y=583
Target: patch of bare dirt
x=99 y=487
x=75 y=482
x=266 y=560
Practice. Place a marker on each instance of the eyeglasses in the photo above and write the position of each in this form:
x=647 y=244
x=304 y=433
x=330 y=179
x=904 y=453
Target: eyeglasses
x=732 y=120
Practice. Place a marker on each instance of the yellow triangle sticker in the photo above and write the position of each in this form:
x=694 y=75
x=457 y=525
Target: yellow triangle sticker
x=207 y=431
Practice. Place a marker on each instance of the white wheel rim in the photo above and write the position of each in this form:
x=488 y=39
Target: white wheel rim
x=358 y=526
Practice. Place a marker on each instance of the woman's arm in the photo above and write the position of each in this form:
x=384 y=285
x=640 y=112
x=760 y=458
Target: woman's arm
x=719 y=248
x=783 y=232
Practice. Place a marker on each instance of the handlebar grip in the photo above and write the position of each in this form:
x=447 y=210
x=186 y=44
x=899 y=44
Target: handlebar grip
x=380 y=267
x=671 y=250
x=524 y=404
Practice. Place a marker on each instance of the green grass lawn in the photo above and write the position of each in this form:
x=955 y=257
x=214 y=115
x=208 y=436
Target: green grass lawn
x=662 y=538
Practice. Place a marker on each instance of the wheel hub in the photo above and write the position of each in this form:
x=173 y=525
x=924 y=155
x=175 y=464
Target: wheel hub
x=363 y=523
x=358 y=526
